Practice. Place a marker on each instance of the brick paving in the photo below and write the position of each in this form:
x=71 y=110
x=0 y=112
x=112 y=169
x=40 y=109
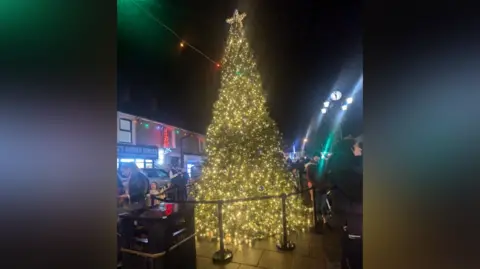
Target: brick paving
x=312 y=251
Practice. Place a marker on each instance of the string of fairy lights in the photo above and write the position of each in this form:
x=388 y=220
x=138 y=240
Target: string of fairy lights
x=242 y=152
x=165 y=129
x=182 y=43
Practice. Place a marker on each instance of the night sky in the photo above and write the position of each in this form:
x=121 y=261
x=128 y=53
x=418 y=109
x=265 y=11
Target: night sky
x=304 y=50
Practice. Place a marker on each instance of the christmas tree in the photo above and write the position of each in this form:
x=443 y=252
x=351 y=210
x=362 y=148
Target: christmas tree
x=244 y=154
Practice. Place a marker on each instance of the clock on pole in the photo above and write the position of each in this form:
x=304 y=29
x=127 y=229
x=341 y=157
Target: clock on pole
x=336 y=95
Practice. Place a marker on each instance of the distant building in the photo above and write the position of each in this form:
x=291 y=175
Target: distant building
x=150 y=144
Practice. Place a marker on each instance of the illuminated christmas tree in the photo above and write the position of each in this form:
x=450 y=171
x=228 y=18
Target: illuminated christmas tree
x=244 y=154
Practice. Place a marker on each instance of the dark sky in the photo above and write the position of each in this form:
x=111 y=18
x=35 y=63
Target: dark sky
x=304 y=49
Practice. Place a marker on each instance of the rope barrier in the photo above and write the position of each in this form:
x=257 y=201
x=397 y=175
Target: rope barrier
x=231 y=200
x=225 y=255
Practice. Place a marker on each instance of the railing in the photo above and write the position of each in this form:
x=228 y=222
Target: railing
x=224 y=255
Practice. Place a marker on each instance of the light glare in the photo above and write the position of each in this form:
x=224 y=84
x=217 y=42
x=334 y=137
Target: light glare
x=349 y=100
x=326 y=104
x=344 y=107
x=324 y=110
x=161 y=156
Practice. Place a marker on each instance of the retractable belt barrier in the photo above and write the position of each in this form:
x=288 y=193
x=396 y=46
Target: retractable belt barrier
x=163 y=236
x=224 y=255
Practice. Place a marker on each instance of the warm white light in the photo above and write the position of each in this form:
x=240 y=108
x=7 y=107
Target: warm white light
x=344 y=107
x=305 y=140
x=349 y=100
x=336 y=95
x=161 y=156
x=326 y=104
x=189 y=170
x=324 y=110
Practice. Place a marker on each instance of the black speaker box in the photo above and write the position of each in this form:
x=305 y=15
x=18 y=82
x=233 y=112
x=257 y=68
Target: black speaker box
x=155 y=241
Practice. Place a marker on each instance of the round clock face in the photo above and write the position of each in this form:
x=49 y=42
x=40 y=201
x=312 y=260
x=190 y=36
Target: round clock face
x=336 y=95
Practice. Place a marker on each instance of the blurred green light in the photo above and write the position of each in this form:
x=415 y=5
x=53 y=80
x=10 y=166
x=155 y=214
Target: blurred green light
x=139 y=30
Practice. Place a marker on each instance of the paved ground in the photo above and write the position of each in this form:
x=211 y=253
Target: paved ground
x=312 y=252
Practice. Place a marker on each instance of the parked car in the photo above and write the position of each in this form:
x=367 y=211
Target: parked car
x=157 y=175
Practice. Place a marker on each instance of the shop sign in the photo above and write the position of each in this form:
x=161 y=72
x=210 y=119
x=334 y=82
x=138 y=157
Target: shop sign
x=146 y=152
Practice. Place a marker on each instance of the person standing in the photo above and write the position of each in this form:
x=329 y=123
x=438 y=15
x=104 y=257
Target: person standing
x=174 y=172
x=135 y=196
x=312 y=172
x=138 y=185
x=346 y=179
x=179 y=183
x=120 y=187
x=301 y=167
x=296 y=178
x=155 y=191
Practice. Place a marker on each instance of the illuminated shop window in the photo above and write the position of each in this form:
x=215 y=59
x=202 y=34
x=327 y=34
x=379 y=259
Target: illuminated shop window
x=140 y=163
x=148 y=164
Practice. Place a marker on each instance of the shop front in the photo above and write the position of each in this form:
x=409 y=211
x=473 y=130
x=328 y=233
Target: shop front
x=143 y=156
x=194 y=164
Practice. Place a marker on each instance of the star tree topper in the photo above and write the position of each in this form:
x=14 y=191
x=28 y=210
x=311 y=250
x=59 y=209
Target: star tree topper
x=237 y=18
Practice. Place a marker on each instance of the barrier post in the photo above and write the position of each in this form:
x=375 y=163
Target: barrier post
x=315 y=222
x=223 y=255
x=284 y=244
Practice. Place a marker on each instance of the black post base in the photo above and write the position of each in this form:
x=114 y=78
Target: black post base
x=285 y=246
x=222 y=257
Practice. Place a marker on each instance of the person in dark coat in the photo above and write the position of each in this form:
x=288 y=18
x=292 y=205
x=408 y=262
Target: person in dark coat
x=311 y=169
x=345 y=180
x=345 y=169
x=120 y=187
x=138 y=184
x=120 y=191
x=179 y=184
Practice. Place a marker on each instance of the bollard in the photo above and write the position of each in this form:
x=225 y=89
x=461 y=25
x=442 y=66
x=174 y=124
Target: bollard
x=284 y=244
x=151 y=263
x=223 y=255
x=317 y=225
x=315 y=208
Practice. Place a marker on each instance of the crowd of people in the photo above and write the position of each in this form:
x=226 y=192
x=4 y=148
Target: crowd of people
x=136 y=190
x=338 y=197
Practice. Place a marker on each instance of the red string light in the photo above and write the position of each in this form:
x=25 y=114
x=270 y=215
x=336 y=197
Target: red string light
x=182 y=42
x=166 y=141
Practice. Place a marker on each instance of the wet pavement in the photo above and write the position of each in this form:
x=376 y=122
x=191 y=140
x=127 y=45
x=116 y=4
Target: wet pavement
x=312 y=251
